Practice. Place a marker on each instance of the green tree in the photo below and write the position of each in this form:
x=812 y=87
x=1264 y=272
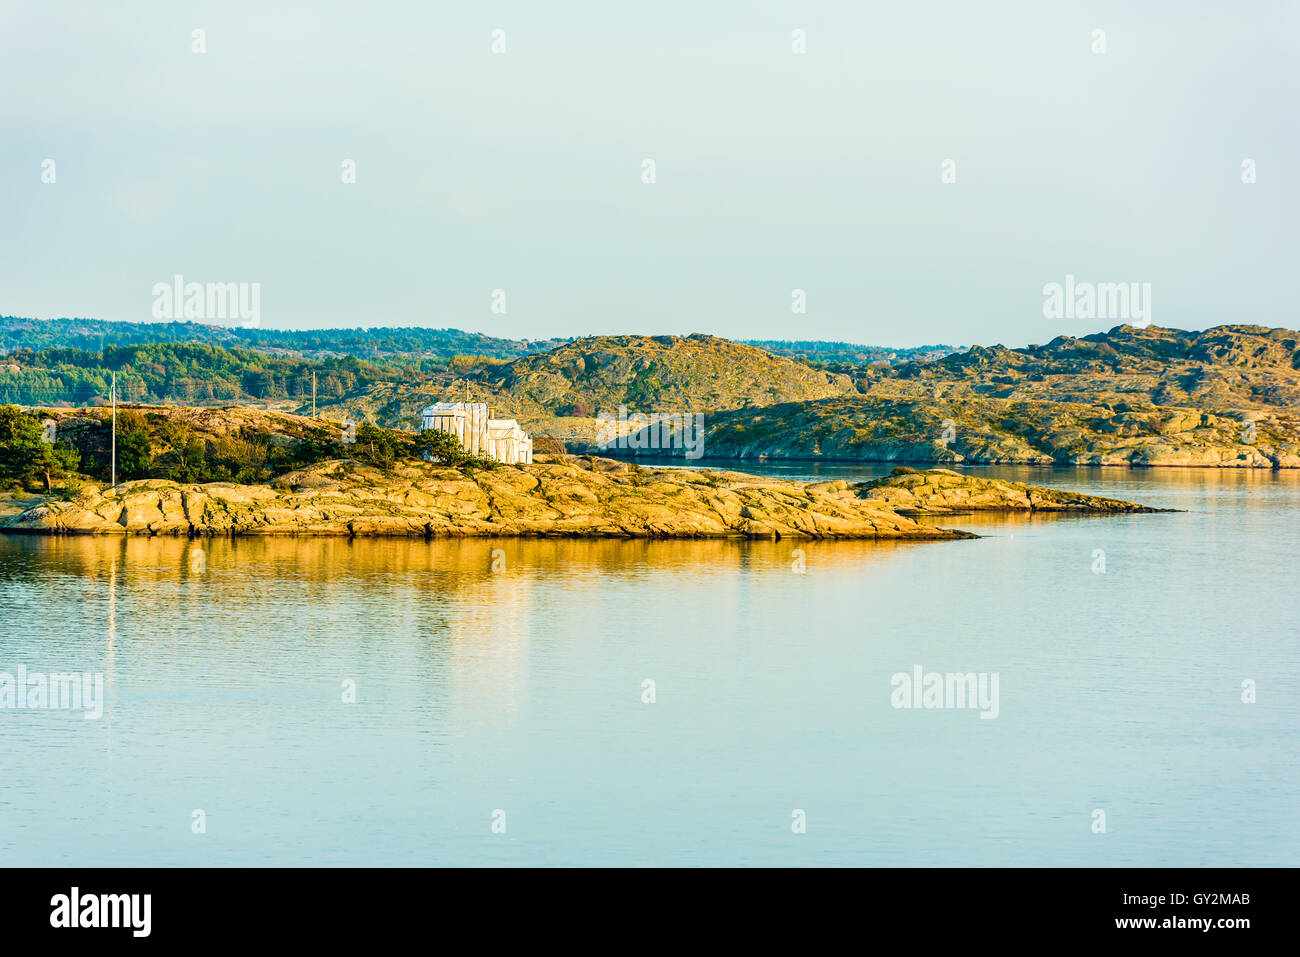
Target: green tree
x=376 y=446
x=184 y=459
x=441 y=447
x=24 y=453
x=134 y=450
x=20 y=440
x=445 y=449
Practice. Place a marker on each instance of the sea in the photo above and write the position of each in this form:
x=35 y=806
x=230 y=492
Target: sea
x=1063 y=690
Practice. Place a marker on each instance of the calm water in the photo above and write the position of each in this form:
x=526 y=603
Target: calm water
x=521 y=690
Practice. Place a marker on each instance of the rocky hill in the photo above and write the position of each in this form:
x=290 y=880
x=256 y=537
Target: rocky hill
x=1230 y=367
x=1225 y=397
x=1004 y=431
x=580 y=379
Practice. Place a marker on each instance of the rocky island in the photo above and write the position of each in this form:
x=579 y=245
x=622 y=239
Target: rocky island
x=945 y=492
x=564 y=496
x=197 y=472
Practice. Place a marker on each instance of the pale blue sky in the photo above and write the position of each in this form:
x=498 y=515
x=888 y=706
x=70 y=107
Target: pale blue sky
x=776 y=171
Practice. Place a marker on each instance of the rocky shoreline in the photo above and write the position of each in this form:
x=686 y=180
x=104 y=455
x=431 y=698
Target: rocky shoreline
x=945 y=492
x=559 y=496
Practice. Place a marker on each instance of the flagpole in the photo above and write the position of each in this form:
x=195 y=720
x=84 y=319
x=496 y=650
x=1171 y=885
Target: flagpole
x=114 y=392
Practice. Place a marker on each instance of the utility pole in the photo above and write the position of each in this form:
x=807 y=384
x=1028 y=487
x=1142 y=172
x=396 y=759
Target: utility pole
x=313 y=394
x=114 y=394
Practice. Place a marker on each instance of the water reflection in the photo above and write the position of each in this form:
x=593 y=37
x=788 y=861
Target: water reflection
x=514 y=680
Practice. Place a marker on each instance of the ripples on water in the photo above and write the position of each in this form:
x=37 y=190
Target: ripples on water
x=522 y=691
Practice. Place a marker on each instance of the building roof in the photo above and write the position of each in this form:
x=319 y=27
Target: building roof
x=445 y=408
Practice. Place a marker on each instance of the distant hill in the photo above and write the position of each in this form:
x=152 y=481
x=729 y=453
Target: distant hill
x=979 y=430
x=71 y=361
x=583 y=378
x=1231 y=366
x=191 y=373
x=834 y=353
x=389 y=375
x=1225 y=396
x=696 y=373
x=374 y=343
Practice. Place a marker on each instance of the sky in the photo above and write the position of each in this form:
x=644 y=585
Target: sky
x=524 y=171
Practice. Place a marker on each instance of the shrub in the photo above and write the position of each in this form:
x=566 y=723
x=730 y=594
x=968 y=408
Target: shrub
x=68 y=491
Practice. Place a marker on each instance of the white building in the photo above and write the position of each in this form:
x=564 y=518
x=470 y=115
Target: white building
x=479 y=433
x=508 y=443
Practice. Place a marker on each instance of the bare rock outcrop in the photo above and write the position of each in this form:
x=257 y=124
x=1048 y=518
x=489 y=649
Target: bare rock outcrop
x=944 y=492
x=564 y=496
